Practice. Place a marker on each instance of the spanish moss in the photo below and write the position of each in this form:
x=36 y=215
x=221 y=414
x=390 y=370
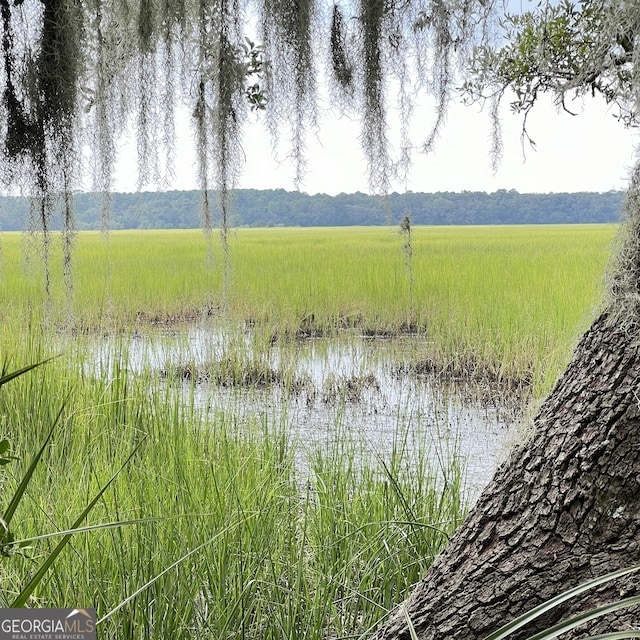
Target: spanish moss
x=341 y=64
x=623 y=285
x=374 y=122
x=288 y=32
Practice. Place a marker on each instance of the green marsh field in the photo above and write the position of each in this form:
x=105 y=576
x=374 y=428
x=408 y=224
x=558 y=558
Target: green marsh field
x=508 y=299
x=298 y=422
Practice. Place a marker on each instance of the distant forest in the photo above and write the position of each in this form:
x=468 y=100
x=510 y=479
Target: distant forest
x=269 y=208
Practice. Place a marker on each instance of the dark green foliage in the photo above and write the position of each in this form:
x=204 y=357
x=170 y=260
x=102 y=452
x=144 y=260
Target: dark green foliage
x=268 y=208
x=566 y=49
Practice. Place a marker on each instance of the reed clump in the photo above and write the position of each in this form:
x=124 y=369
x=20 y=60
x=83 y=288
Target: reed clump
x=349 y=388
x=229 y=372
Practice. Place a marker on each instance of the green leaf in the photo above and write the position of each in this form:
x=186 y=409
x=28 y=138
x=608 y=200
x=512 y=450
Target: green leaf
x=7 y=377
x=585 y=616
x=616 y=635
x=22 y=598
x=526 y=618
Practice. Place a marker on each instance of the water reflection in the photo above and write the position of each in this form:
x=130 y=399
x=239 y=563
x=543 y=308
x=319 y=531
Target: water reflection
x=352 y=387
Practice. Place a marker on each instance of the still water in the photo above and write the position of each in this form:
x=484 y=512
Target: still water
x=326 y=390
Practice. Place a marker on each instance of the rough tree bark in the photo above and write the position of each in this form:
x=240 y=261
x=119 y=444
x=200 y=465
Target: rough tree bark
x=564 y=508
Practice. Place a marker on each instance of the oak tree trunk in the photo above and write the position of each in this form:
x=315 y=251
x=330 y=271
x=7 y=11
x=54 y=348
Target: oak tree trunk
x=564 y=508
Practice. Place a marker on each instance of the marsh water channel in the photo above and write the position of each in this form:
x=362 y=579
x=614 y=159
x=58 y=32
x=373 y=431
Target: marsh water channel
x=369 y=391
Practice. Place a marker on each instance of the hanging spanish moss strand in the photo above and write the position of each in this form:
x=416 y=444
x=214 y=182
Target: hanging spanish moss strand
x=219 y=113
x=288 y=32
x=227 y=120
x=52 y=96
x=168 y=121
x=400 y=52
x=43 y=212
x=200 y=120
x=202 y=145
x=177 y=35
x=442 y=72
x=448 y=30
x=18 y=131
x=100 y=128
x=68 y=239
x=342 y=66
x=63 y=21
x=374 y=120
x=148 y=112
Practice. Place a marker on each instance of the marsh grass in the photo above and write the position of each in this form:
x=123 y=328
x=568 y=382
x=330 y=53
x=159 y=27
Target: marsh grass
x=215 y=527
x=507 y=300
x=227 y=534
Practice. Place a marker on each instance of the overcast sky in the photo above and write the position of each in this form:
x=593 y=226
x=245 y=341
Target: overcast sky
x=588 y=152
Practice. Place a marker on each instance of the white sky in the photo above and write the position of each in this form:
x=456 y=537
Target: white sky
x=588 y=152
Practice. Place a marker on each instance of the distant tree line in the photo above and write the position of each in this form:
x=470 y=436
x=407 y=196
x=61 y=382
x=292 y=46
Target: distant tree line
x=269 y=208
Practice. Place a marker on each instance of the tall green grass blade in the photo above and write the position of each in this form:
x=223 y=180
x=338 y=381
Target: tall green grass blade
x=7 y=377
x=157 y=577
x=526 y=618
x=26 y=478
x=104 y=526
x=21 y=542
x=24 y=595
x=399 y=493
x=412 y=630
